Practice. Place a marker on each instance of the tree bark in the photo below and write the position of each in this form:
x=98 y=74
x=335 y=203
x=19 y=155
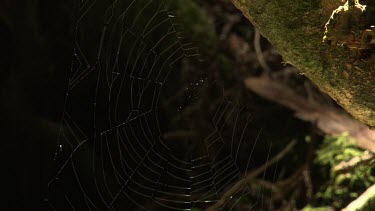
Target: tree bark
x=296 y=29
x=328 y=119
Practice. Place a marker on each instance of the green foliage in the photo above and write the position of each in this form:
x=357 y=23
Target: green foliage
x=337 y=149
x=195 y=23
x=310 y=208
x=342 y=188
x=225 y=66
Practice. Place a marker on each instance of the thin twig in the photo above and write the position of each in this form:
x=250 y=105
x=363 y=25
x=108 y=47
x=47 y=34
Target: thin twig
x=347 y=166
x=259 y=53
x=250 y=176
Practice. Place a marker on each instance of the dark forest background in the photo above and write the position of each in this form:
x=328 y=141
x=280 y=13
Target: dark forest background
x=36 y=54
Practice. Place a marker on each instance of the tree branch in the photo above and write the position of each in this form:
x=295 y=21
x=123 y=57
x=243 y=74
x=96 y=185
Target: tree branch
x=344 y=167
x=362 y=200
x=250 y=177
x=329 y=119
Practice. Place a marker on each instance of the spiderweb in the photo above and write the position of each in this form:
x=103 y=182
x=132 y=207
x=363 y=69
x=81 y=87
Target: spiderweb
x=113 y=151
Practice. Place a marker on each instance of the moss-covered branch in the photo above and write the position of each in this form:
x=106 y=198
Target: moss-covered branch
x=296 y=29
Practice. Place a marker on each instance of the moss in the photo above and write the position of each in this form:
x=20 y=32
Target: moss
x=296 y=29
x=310 y=208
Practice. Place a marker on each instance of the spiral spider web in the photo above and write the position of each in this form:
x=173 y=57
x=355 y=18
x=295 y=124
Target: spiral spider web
x=112 y=151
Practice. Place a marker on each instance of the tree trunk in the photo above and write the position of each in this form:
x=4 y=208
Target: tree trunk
x=345 y=69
